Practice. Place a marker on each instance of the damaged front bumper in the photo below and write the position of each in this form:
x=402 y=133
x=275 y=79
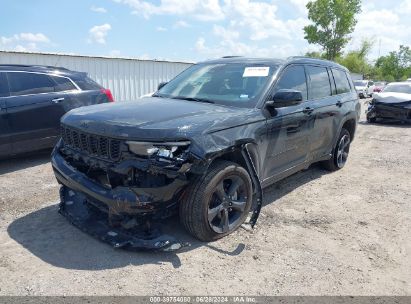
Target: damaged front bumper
x=389 y=111
x=122 y=216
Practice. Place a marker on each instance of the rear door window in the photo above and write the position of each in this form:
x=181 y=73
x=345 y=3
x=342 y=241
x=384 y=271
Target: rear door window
x=293 y=78
x=63 y=84
x=318 y=82
x=22 y=83
x=341 y=81
x=4 y=87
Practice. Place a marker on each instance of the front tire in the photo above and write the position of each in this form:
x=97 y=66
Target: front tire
x=218 y=203
x=340 y=152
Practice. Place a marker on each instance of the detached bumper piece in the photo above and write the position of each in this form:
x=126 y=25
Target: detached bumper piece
x=100 y=212
x=80 y=213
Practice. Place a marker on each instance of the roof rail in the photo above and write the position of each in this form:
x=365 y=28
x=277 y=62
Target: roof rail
x=296 y=57
x=306 y=57
x=33 y=66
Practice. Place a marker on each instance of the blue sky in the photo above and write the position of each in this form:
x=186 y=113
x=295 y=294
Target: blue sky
x=185 y=30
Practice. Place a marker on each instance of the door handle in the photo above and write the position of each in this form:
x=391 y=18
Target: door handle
x=339 y=104
x=57 y=100
x=308 y=110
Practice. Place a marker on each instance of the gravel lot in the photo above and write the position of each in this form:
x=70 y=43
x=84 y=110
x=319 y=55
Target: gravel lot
x=345 y=233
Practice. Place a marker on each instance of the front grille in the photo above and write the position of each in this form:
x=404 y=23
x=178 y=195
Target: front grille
x=93 y=145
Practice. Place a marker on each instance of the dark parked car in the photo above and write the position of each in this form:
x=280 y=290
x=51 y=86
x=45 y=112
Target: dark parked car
x=204 y=145
x=394 y=102
x=34 y=98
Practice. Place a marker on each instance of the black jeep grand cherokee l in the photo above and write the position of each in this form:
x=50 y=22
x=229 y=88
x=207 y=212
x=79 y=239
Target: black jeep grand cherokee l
x=205 y=145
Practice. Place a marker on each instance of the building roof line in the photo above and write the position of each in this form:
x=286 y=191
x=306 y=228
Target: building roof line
x=90 y=56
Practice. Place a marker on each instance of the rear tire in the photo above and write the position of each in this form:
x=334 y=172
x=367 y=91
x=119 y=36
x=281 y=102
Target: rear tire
x=218 y=203
x=371 y=119
x=340 y=152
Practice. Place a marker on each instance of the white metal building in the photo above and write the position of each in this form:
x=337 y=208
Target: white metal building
x=127 y=78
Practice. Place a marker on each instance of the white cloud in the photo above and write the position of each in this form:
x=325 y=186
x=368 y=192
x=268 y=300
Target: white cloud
x=225 y=34
x=97 y=9
x=233 y=47
x=161 y=29
x=205 y=10
x=404 y=7
x=386 y=28
x=256 y=27
x=115 y=53
x=99 y=33
x=300 y=5
x=144 y=57
x=39 y=37
x=24 y=42
x=180 y=24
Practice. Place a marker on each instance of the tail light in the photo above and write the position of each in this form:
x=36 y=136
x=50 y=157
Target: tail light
x=107 y=92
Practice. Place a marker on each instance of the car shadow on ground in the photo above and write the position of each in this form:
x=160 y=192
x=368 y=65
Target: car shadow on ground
x=50 y=237
x=24 y=161
x=387 y=123
x=291 y=183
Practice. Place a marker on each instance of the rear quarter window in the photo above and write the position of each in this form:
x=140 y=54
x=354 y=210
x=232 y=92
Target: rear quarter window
x=63 y=84
x=341 y=81
x=87 y=83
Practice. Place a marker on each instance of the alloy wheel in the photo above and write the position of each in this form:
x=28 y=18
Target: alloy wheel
x=227 y=204
x=342 y=150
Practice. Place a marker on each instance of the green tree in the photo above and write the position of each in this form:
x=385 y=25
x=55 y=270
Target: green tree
x=356 y=61
x=404 y=56
x=389 y=78
x=314 y=54
x=333 y=21
x=396 y=65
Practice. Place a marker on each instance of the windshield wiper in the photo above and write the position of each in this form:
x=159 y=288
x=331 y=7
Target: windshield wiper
x=193 y=99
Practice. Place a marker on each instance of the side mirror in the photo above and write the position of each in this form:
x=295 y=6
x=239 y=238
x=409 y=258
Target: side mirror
x=285 y=98
x=161 y=84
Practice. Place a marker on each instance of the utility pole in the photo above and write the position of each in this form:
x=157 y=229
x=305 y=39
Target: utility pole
x=379 y=48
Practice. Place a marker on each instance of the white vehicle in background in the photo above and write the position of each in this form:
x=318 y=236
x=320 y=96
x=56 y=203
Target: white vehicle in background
x=365 y=88
x=409 y=80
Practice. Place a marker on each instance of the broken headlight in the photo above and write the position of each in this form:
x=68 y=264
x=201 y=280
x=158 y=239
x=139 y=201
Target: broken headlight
x=160 y=149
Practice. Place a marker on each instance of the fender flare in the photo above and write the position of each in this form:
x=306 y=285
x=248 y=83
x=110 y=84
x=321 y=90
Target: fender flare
x=350 y=116
x=249 y=155
x=258 y=190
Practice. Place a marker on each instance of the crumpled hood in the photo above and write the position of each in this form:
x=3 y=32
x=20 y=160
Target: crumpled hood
x=392 y=98
x=157 y=118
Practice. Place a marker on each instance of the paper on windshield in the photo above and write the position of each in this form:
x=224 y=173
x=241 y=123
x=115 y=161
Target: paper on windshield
x=256 y=72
